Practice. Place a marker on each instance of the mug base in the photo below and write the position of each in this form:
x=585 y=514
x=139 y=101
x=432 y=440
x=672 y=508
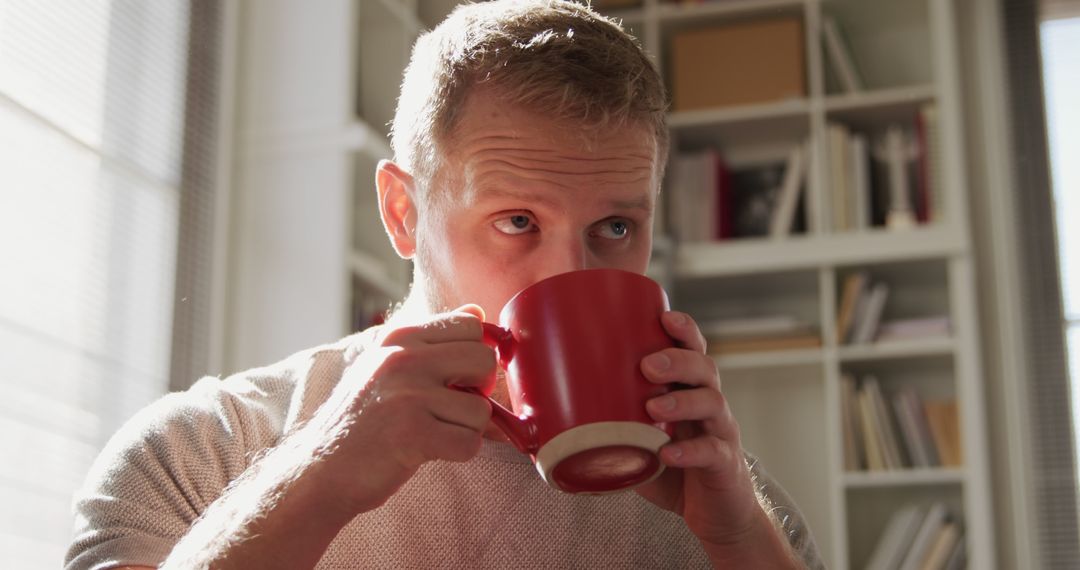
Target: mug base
x=602 y=457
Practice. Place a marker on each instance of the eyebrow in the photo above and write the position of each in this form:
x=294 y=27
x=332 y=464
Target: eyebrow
x=642 y=203
x=497 y=192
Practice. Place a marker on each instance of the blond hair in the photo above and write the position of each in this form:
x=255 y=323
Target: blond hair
x=554 y=57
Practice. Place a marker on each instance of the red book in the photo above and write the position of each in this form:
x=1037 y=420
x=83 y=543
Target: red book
x=922 y=185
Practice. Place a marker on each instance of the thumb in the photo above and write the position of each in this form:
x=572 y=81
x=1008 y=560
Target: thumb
x=472 y=309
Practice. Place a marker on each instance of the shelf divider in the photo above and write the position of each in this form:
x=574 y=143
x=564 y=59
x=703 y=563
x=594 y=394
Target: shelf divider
x=903 y=477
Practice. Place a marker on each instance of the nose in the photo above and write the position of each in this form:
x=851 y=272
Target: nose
x=564 y=254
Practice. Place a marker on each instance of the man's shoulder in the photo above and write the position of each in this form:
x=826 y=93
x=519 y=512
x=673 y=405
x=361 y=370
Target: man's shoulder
x=282 y=393
x=227 y=420
x=258 y=404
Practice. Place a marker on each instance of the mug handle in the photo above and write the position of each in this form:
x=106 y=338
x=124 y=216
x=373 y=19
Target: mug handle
x=520 y=430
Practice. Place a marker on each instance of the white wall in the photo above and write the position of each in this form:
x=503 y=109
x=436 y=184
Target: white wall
x=995 y=236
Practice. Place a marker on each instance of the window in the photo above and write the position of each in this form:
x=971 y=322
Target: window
x=1060 y=38
x=92 y=135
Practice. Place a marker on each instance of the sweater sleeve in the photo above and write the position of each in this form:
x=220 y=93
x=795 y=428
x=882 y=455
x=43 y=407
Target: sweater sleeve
x=783 y=510
x=164 y=468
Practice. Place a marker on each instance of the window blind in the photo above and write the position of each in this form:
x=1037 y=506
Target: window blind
x=1052 y=440
x=95 y=126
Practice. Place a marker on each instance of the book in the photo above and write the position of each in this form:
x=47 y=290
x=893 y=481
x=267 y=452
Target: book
x=922 y=175
x=918 y=410
x=922 y=542
x=838 y=175
x=861 y=302
x=695 y=179
x=784 y=211
x=921 y=327
x=918 y=428
x=958 y=557
x=854 y=288
x=943 y=418
x=685 y=181
x=868 y=319
x=840 y=56
x=931 y=141
x=941 y=547
x=859 y=182
x=660 y=216
x=892 y=450
x=854 y=454
x=875 y=458
x=909 y=429
x=895 y=540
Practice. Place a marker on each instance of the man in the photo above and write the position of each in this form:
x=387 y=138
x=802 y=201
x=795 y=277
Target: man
x=530 y=141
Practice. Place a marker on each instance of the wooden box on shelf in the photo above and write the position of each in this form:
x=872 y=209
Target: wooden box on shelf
x=738 y=63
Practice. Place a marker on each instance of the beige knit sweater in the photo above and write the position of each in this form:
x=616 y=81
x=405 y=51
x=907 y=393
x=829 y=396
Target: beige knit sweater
x=173 y=459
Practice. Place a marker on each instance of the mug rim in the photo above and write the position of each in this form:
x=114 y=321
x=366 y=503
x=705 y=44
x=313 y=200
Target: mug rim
x=612 y=270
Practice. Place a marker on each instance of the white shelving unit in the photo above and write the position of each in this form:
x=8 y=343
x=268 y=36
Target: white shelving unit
x=320 y=84
x=788 y=402
x=384 y=33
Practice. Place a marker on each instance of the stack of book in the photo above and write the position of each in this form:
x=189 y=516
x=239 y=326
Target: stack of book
x=920 y=537
x=898 y=432
x=889 y=178
x=714 y=201
x=758 y=334
x=849 y=177
x=859 y=319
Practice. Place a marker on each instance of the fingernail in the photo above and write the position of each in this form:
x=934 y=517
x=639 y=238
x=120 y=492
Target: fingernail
x=662 y=403
x=658 y=361
x=674 y=452
x=678 y=318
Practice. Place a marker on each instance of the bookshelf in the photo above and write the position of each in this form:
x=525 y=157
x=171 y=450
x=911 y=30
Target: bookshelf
x=312 y=252
x=789 y=401
x=319 y=85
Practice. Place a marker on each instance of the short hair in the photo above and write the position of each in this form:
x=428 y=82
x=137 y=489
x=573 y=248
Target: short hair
x=555 y=57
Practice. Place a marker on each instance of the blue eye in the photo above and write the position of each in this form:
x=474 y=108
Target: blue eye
x=614 y=229
x=516 y=224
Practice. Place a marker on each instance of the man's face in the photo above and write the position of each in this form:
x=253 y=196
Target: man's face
x=521 y=198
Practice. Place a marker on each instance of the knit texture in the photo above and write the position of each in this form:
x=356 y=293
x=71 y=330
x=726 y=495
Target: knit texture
x=174 y=458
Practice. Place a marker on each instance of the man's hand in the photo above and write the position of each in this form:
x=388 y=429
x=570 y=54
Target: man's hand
x=395 y=410
x=391 y=412
x=707 y=481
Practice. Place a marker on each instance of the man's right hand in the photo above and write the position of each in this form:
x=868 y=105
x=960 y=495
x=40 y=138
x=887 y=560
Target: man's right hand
x=394 y=408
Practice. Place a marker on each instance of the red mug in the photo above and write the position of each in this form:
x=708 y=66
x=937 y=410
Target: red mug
x=572 y=346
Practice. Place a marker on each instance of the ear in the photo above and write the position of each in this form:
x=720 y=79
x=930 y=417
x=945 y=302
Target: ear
x=397 y=208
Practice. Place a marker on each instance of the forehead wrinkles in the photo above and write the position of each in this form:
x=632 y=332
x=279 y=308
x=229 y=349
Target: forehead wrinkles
x=539 y=158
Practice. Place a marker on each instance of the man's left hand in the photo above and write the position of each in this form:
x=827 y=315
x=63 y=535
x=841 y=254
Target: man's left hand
x=707 y=480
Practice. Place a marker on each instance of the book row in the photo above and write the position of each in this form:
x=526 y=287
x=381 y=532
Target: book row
x=920 y=537
x=896 y=431
x=859 y=318
x=884 y=179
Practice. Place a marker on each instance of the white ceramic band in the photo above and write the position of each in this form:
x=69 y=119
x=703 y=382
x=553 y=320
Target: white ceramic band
x=599 y=434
